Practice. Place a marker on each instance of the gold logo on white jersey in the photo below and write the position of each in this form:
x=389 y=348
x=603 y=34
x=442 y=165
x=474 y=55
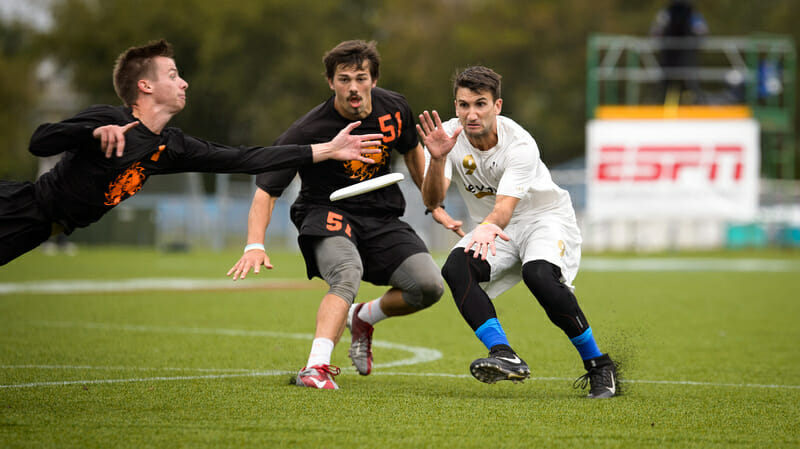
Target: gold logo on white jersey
x=469 y=164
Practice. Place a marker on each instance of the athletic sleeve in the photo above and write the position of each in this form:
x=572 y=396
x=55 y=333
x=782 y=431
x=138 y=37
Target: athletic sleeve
x=203 y=156
x=276 y=181
x=75 y=133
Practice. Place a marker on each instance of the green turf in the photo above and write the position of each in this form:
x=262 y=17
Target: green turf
x=710 y=361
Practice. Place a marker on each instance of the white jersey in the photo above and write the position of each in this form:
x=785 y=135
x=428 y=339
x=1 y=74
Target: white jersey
x=513 y=167
x=543 y=225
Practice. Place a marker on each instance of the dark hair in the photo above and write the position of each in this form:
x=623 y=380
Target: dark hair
x=134 y=64
x=353 y=54
x=477 y=79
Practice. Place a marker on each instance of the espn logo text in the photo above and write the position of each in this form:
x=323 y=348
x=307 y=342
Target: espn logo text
x=669 y=163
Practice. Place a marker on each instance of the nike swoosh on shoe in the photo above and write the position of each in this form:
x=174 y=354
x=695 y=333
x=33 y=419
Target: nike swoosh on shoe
x=319 y=383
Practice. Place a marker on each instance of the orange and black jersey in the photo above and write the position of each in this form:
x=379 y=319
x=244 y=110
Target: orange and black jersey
x=85 y=184
x=391 y=116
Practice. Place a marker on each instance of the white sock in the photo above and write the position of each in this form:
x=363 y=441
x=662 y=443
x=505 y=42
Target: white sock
x=372 y=312
x=321 y=351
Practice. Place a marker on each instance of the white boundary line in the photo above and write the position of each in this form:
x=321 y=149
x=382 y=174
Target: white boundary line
x=284 y=373
x=419 y=355
x=56 y=287
x=637 y=264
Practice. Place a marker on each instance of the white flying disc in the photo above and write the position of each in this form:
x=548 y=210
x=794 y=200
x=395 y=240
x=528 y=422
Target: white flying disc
x=367 y=186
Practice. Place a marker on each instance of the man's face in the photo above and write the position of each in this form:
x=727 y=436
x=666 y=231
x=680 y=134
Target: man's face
x=353 y=89
x=477 y=112
x=168 y=88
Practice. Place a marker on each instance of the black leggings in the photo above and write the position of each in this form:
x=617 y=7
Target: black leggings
x=462 y=272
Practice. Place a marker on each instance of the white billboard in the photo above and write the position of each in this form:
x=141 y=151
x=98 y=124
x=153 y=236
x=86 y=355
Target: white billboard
x=645 y=169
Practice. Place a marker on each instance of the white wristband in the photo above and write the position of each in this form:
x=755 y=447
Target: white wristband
x=255 y=246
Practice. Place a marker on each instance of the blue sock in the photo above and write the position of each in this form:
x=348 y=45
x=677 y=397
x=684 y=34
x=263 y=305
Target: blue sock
x=491 y=333
x=586 y=345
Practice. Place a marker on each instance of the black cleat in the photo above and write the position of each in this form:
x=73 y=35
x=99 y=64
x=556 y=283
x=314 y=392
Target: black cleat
x=601 y=376
x=502 y=364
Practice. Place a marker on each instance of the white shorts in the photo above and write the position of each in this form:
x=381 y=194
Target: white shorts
x=553 y=238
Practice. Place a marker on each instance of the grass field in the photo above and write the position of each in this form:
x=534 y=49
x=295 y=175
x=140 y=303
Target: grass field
x=115 y=348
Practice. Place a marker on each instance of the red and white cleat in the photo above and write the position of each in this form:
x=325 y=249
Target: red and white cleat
x=318 y=376
x=360 y=351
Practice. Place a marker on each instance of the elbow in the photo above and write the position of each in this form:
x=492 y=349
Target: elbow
x=38 y=143
x=431 y=202
x=36 y=149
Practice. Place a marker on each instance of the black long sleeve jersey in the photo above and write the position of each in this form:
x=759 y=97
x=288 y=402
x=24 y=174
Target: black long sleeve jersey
x=85 y=184
x=391 y=116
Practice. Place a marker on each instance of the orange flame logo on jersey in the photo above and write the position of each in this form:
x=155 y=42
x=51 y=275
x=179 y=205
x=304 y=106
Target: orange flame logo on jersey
x=127 y=183
x=361 y=171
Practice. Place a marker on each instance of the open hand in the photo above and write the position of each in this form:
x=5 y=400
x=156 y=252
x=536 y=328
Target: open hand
x=433 y=135
x=346 y=146
x=254 y=259
x=484 y=236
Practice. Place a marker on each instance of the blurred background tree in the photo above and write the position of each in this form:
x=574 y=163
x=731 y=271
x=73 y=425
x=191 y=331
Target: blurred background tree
x=254 y=66
x=18 y=98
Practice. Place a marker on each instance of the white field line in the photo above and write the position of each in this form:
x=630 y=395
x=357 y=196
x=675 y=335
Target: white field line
x=188 y=284
x=139 y=284
x=285 y=373
x=419 y=355
x=144 y=379
x=124 y=368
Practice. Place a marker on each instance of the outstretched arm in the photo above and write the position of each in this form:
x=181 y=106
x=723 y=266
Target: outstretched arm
x=346 y=146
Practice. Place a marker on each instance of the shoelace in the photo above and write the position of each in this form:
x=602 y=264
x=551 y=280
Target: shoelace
x=362 y=343
x=329 y=369
x=583 y=381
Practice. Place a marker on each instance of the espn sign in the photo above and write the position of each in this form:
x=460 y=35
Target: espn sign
x=639 y=169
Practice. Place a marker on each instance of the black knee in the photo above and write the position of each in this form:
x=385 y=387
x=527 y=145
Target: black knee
x=462 y=273
x=542 y=278
x=461 y=270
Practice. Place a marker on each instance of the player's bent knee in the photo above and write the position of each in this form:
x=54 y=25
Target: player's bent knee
x=419 y=279
x=344 y=281
x=540 y=276
x=425 y=294
x=461 y=269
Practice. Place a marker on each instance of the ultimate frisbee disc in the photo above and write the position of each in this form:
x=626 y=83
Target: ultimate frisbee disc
x=367 y=186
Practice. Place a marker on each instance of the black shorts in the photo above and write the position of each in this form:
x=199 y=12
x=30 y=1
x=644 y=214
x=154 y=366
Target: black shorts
x=23 y=225
x=383 y=242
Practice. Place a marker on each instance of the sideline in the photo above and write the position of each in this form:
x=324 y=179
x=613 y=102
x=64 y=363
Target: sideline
x=143 y=284
x=597 y=264
x=288 y=373
x=418 y=355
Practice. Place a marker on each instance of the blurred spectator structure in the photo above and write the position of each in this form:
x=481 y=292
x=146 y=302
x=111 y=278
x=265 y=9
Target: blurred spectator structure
x=692 y=174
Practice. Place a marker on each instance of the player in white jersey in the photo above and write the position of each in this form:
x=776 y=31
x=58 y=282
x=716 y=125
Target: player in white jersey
x=509 y=194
